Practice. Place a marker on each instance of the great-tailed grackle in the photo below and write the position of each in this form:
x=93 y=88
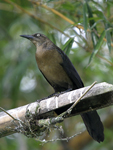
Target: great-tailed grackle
x=61 y=75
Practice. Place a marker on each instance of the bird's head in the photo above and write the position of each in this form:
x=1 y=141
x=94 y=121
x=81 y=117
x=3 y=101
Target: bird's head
x=37 y=39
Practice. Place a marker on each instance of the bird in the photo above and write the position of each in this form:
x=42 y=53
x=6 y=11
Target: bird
x=60 y=73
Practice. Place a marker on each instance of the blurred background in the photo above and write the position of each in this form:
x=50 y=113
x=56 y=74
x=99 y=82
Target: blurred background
x=83 y=29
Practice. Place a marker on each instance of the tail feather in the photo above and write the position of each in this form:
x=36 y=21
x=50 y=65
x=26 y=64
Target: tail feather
x=94 y=125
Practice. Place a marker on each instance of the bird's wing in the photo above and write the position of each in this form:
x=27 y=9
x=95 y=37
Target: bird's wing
x=70 y=70
x=91 y=119
x=45 y=77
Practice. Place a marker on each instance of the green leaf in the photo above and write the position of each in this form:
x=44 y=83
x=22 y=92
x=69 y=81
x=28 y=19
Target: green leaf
x=91 y=23
x=68 y=6
x=97 y=46
x=90 y=14
x=85 y=18
x=67 y=46
x=108 y=36
x=99 y=14
x=51 y=36
x=96 y=23
x=97 y=4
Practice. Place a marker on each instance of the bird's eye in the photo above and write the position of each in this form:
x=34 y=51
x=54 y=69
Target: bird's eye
x=38 y=35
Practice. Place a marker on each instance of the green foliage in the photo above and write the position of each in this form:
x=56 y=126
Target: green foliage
x=85 y=18
x=97 y=46
x=20 y=80
x=67 y=46
x=108 y=36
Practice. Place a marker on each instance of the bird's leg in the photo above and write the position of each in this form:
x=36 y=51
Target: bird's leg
x=70 y=89
x=39 y=100
x=56 y=94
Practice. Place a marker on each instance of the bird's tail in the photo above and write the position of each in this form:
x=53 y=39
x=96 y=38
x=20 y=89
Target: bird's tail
x=94 y=125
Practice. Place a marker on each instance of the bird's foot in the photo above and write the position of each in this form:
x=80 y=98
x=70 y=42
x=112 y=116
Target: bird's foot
x=39 y=100
x=66 y=91
x=56 y=94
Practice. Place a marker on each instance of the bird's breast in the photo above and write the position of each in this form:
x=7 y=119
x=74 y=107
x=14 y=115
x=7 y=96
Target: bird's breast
x=50 y=65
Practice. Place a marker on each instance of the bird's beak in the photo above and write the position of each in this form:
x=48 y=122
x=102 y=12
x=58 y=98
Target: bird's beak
x=30 y=37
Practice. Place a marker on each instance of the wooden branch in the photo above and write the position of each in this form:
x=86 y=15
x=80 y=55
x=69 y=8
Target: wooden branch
x=101 y=95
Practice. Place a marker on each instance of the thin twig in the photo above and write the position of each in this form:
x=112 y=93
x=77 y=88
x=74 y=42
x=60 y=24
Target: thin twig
x=105 y=59
x=68 y=111
x=60 y=139
x=8 y=114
